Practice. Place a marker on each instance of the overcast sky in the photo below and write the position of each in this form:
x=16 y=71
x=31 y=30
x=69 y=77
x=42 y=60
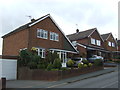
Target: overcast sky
x=87 y=14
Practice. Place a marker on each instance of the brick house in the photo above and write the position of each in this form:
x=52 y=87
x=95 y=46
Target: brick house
x=118 y=45
x=88 y=42
x=42 y=33
x=110 y=45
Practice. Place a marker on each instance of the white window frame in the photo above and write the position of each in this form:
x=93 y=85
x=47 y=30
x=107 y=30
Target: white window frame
x=54 y=36
x=41 y=52
x=113 y=44
x=42 y=33
x=98 y=42
x=109 y=43
x=92 y=41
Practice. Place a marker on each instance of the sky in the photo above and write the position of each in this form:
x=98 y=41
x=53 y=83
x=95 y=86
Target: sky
x=68 y=14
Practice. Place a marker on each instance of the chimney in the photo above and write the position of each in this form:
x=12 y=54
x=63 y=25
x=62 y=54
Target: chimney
x=77 y=31
x=32 y=20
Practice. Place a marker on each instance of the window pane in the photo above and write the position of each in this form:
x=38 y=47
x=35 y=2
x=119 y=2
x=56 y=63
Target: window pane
x=92 y=41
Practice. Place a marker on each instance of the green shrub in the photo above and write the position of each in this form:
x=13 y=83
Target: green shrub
x=85 y=61
x=98 y=62
x=54 y=69
x=80 y=65
x=32 y=65
x=49 y=67
x=41 y=66
x=90 y=64
x=57 y=63
x=70 y=63
x=63 y=68
x=85 y=65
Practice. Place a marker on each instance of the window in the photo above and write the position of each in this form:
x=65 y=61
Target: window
x=98 y=42
x=41 y=52
x=113 y=44
x=42 y=33
x=92 y=41
x=109 y=43
x=54 y=36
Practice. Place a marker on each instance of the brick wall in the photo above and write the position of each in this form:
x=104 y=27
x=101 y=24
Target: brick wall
x=13 y=43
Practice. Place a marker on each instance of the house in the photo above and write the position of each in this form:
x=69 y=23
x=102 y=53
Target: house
x=43 y=34
x=118 y=45
x=88 y=42
x=110 y=45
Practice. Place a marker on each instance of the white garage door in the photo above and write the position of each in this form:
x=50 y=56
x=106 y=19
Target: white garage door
x=8 y=69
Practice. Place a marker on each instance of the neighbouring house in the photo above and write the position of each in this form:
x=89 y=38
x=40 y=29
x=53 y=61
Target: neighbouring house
x=88 y=42
x=43 y=34
x=110 y=45
x=118 y=41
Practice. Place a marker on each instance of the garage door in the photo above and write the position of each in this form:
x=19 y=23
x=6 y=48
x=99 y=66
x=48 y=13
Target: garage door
x=8 y=69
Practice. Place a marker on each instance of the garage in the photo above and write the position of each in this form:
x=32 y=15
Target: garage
x=8 y=69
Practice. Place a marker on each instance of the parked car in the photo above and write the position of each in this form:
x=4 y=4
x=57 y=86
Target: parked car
x=94 y=57
x=78 y=60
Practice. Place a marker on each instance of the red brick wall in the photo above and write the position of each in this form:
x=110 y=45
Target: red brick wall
x=96 y=36
x=108 y=47
x=13 y=43
x=83 y=41
x=48 y=25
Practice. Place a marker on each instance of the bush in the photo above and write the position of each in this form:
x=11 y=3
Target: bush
x=85 y=62
x=41 y=66
x=80 y=65
x=49 y=67
x=63 y=68
x=57 y=63
x=85 y=65
x=32 y=65
x=54 y=69
x=90 y=64
x=70 y=63
x=98 y=62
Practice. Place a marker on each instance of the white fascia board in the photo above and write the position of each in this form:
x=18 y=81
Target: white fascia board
x=81 y=45
x=63 y=33
x=39 y=20
x=62 y=50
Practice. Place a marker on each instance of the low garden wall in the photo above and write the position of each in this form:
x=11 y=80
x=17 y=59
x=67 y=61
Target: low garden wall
x=25 y=73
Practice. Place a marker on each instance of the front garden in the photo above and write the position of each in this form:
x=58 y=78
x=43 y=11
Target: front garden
x=33 y=67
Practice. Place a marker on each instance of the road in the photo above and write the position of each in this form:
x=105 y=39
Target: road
x=109 y=80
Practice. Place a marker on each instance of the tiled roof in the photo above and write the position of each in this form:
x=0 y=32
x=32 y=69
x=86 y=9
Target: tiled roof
x=23 y=26
x=105 y=36
x=81 y=35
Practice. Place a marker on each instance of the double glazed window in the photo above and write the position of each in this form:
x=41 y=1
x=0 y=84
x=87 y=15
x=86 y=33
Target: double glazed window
x=98 y=42
x=42 y=33
x=92 y=41
x=95 y=42
x=111 y=44
x=54 y=36
x=41 y=52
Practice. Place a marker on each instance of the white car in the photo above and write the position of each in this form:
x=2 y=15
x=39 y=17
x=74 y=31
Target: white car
x=94 y=57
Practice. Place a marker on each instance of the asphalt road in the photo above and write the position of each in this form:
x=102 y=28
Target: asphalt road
x=109 y=80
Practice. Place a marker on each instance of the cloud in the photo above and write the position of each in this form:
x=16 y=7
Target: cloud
x=67 y=13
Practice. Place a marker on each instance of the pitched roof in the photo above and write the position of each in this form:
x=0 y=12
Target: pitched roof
x=24 y=26
x=67 y=44
x=81 y=35
x=105 y=36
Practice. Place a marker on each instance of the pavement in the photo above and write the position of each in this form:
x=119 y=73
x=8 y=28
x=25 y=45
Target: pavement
x=50 y=84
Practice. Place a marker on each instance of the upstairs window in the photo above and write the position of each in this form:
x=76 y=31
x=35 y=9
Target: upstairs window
x=42 y=33
x=113 y=44
x=98 y=42
x=109 y=43
x=54 y=36
x=92 y=41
